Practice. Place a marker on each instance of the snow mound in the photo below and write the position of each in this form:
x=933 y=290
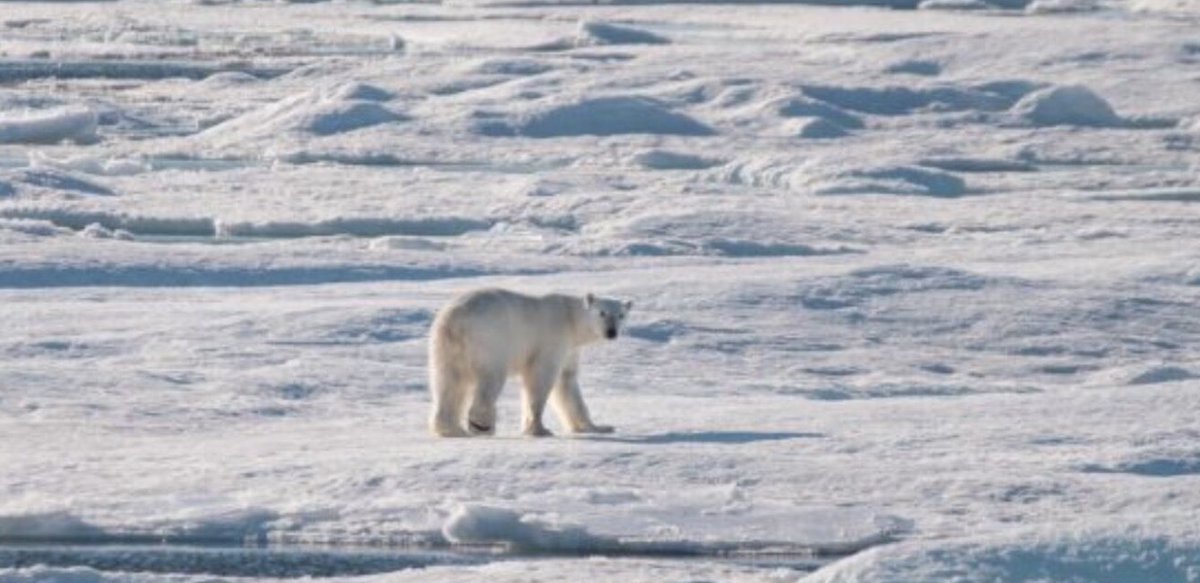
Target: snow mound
x=1116 y=558
x=486 y=525
x=320 y=112
x=805 y=107
x=609 y=116
x=1165 y=194
x=1169 y=466
x=229 y=79
x=516 y=66
x=915 y=67
x=1183 y=7
x=968 y=164
x=32 y=227
x=57 y=526
x=408 y=243
x=77 y=124
x=815 y=128
x=234 y=525
x=88 y=164
x=903 y=180
x=44 y=574
x=953 y=5
x=351 y=226
x=726 y=233
x=904 y=100
x=668 y=160
x=98 y=231
x=1070 y=105
x=55 y=180
x=863 y=286
x=872 y=390
x=829 y=176
x=593 y=33
x=1162 y=374
x=1061 y=6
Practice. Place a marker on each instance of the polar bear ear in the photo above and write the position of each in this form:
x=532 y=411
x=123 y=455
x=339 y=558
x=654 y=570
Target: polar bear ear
x=627 y=305
x=589 y=300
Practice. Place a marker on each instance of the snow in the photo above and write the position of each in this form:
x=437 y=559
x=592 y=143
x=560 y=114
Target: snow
x=915 y=290
x=1037 y=556
x=320 y=112
x=606 y=33
x=1067 y=105
x=603 y=116
x=46 y=127
x=487 y=525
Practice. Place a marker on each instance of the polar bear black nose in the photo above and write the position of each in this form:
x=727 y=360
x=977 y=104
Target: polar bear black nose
x=611 y=333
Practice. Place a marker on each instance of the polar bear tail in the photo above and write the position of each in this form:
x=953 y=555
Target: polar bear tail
x=447 y=381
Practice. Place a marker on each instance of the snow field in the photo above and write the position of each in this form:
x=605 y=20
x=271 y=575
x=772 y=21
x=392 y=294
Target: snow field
x=915 y=289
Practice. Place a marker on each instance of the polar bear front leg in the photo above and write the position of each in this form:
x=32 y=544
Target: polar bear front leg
x=568 y=401
x=539 y=380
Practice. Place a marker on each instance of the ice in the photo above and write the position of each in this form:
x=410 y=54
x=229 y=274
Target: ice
x=915 y=289
x=77 y=124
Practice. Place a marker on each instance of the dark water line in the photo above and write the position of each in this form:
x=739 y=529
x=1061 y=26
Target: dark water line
x=231 y=561
x=143 y=554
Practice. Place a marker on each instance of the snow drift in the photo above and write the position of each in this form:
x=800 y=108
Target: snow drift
x=319 y=112
x=77 y=124
x=602 y=116
x=1070 y=105
x=1037 y=556
x=604 y=33
x=486 y=525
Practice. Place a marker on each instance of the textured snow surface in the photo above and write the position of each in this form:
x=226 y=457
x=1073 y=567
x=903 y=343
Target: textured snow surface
x=916 y=291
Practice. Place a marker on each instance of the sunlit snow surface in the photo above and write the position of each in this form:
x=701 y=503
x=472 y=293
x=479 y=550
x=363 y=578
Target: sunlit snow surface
x=917 y=291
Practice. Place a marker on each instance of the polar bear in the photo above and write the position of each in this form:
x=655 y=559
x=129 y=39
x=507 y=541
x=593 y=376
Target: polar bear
x=484 y=336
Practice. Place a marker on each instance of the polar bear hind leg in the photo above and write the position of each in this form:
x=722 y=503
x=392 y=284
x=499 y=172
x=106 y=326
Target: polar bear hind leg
x=481 y=418
x=449 y=388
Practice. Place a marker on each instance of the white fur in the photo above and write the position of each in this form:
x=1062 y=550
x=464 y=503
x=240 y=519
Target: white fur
x=485 y=336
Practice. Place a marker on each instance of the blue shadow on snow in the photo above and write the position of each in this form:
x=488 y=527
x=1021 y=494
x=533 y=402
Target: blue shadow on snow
x=727 y=437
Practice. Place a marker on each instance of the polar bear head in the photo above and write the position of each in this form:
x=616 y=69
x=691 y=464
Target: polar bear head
x=605 y=315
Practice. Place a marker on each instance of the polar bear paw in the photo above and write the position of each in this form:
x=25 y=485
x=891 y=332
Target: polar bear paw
x=538 y=431
x=449 y=431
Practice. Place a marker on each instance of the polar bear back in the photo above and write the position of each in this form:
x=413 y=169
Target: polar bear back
x=490 y=326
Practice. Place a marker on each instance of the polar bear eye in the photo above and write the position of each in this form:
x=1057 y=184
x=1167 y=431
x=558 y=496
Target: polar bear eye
x=603 y=314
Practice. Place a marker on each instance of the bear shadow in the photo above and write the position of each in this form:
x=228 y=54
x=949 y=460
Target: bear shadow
x=726 y=437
